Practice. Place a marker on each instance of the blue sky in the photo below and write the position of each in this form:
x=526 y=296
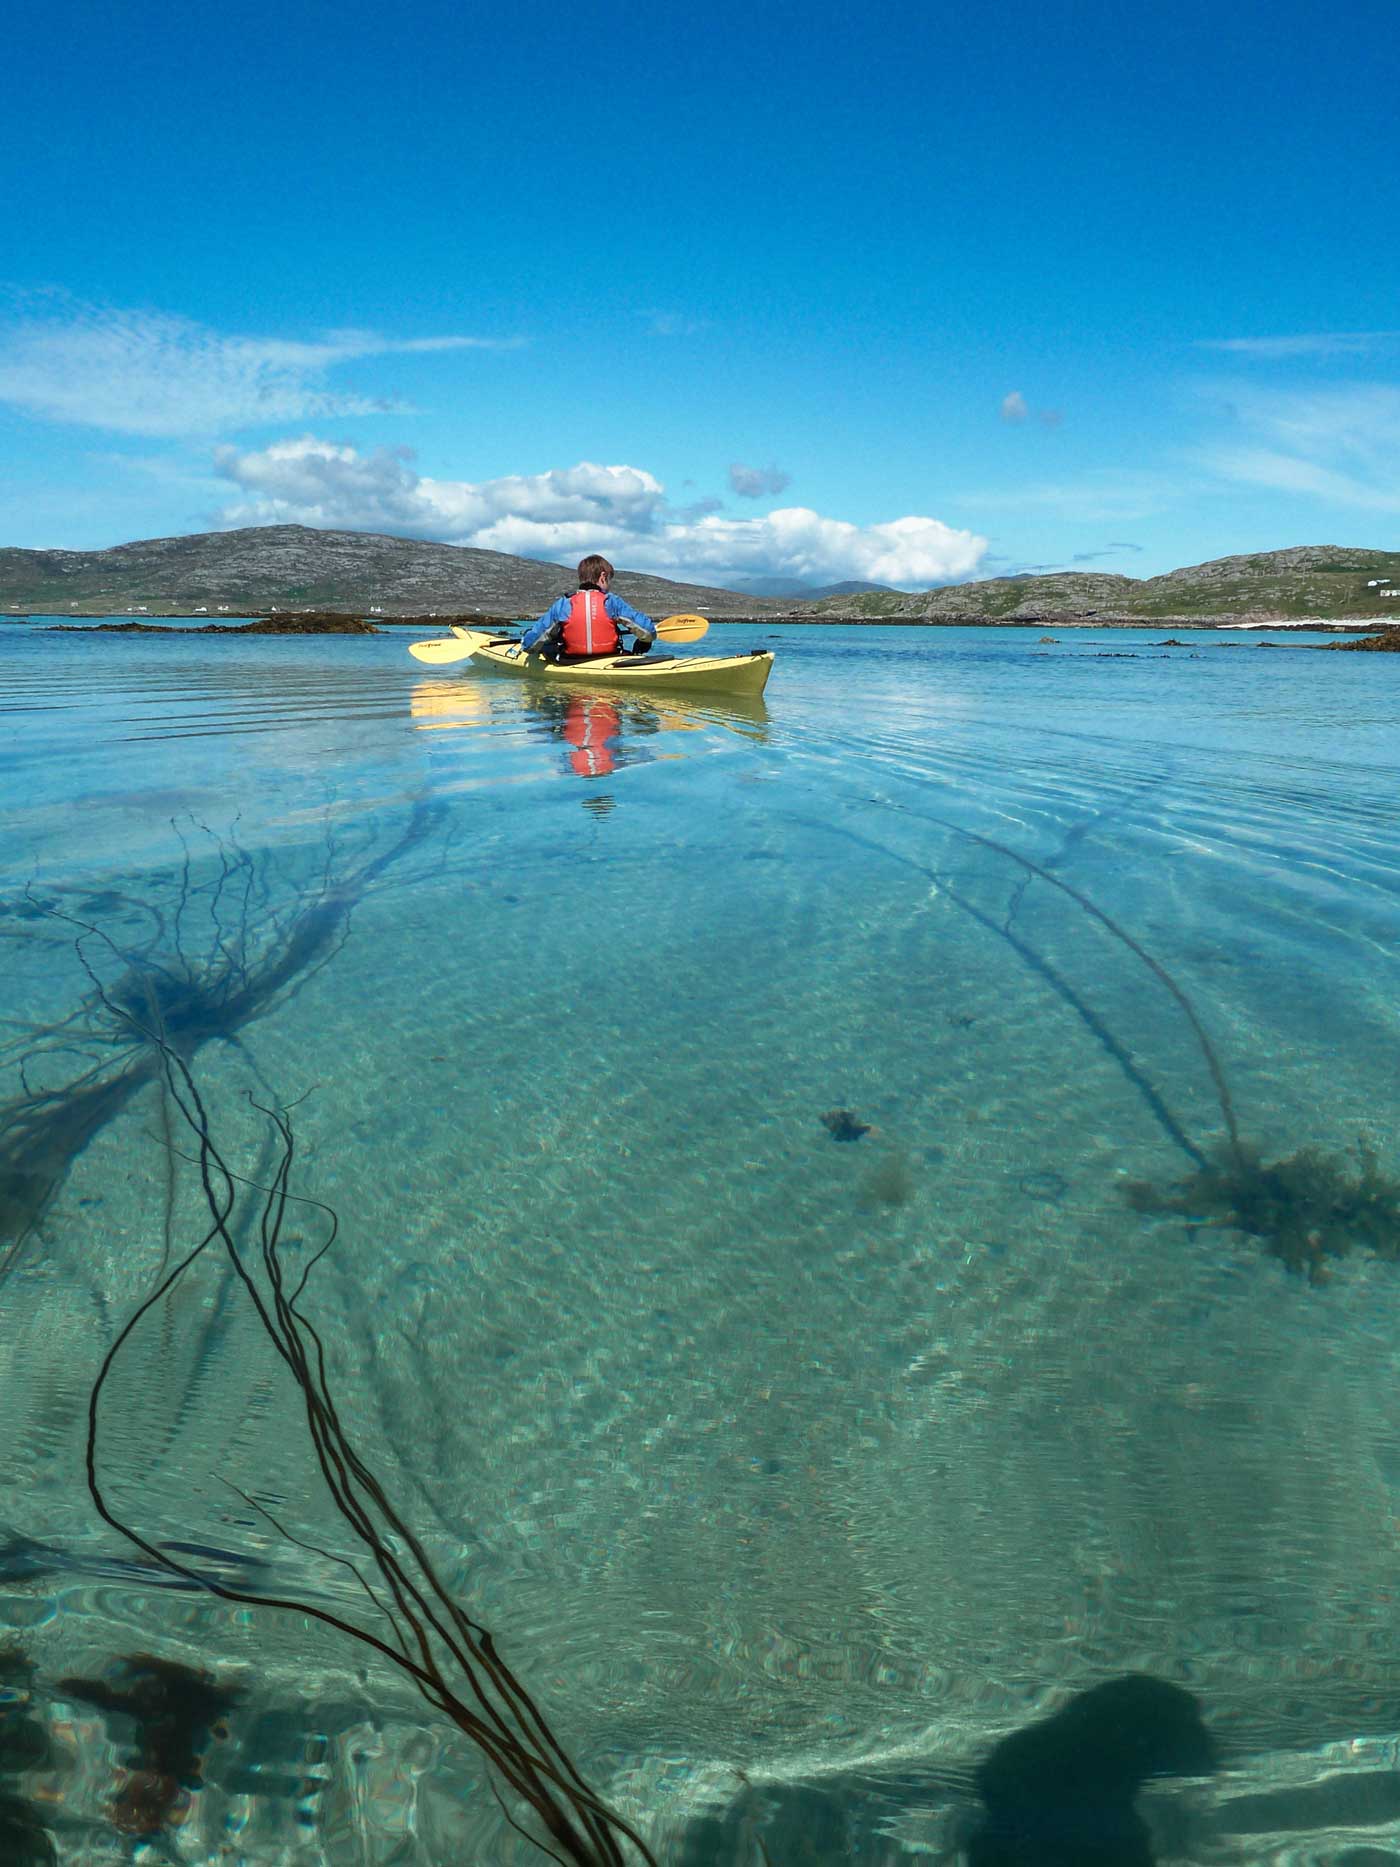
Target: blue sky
x=911 y=293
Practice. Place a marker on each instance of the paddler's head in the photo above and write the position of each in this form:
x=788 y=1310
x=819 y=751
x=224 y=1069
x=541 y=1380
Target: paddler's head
x=594 y=573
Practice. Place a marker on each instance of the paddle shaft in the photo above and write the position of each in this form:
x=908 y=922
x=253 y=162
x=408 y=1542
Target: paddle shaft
x=464 y=642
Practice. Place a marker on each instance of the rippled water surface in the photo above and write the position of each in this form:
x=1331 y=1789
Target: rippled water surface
x=731 y=1115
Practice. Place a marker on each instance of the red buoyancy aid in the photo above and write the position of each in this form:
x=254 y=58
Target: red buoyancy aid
x=588 y=628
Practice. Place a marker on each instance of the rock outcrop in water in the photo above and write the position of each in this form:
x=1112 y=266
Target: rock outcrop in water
x=316 y=623
x=1388 y=641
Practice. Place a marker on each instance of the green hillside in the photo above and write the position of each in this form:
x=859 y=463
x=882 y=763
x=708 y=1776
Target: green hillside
x=294 y=567
x=1326 y=581
x=297 y=567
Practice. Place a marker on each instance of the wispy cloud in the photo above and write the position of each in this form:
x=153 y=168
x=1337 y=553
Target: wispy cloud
x=151 y=373
x=758 y=482
x=1016 y=410
x=1341 y=445
x=1101 y=498
x=675 y=323
x=1305 y=344
x=565 y=512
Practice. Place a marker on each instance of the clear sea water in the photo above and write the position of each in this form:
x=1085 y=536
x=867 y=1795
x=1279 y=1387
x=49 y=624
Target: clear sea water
x=789 y=1472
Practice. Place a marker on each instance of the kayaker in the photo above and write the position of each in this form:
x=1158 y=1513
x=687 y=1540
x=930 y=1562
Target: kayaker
x=588 y=623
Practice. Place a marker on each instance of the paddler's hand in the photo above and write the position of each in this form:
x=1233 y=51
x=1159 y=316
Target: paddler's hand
x=641 y=644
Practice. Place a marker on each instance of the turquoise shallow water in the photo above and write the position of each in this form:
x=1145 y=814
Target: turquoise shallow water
x=755 y=1450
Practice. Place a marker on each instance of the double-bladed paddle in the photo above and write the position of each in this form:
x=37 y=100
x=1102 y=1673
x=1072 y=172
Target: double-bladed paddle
x=463 y=643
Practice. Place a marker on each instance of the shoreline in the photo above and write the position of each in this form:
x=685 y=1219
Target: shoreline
x=358 y=622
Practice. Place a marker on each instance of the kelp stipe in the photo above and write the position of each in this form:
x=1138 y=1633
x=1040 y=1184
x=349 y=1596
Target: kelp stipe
x=24 y=1747
x=450 y=1658
x=1308 y=1207
x=1105 y=1036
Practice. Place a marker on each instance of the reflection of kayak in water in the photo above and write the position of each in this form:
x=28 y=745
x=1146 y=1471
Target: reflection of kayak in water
x=659 y=674
x=456 y=704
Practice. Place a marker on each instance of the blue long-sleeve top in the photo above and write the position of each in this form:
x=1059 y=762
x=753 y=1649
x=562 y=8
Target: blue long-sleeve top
x=622 y=613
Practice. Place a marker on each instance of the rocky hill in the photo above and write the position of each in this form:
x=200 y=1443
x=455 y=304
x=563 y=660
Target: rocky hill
x=293 y=567
x=1325 y=581
x=285 y=567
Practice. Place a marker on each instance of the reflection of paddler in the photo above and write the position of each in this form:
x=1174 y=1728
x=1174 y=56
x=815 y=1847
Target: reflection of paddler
x=589 y=724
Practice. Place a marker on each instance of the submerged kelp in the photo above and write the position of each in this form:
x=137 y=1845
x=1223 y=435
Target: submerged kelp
x=1307 y=1208
x=189 y=958
x=422 y=1630
x=1003 y=927
x=171 y=966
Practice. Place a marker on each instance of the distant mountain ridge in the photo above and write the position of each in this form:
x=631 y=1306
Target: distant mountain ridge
x=297 y=567
x=1326 y=581
x=792 y=590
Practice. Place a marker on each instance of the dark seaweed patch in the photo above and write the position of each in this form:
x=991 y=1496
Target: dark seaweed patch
x=845 y=1125
x=175 y=1711
x=1307 y=1208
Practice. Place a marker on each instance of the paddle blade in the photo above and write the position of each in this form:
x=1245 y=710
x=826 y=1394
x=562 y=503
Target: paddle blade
x=681 y=628
x=444 y=648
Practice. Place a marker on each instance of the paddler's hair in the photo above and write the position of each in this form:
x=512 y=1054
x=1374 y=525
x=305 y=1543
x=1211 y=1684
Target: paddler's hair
x=591 y=569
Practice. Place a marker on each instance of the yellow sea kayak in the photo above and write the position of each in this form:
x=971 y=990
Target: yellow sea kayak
x=654 y=673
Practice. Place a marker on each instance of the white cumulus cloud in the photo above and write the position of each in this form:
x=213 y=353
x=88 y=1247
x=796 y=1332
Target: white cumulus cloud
x=566 y=511
x=151 y=373
x=795 y=541
x=311 y=482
